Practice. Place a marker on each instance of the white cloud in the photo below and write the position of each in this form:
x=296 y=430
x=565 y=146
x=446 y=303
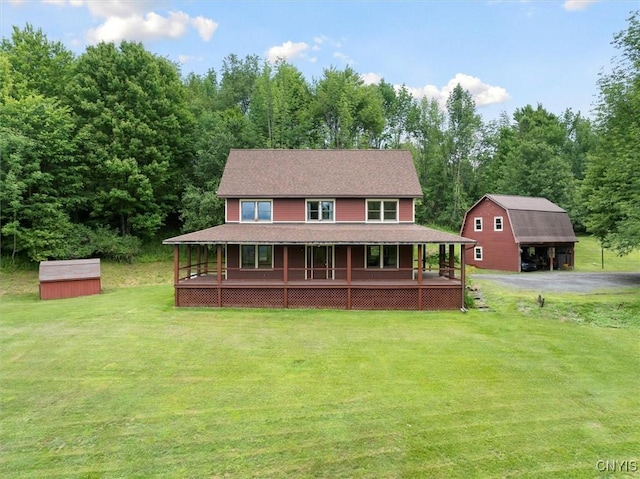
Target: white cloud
x=482 y=93
x=344 y=58
x=205 y=26
x=371 y=78
x=287 y=51
x=137 y=20
x=137 y=27
x=572 y=5
x=188 y=58
x=322 y=39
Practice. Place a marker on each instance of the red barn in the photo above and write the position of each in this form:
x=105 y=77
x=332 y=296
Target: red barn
x=320 y=229
x=518 y=233
x=69 y=278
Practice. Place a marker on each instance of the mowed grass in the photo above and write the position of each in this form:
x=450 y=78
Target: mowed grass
x=589 y=256
x=124 y=385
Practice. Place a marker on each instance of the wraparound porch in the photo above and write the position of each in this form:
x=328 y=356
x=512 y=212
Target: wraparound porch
x=206 y=281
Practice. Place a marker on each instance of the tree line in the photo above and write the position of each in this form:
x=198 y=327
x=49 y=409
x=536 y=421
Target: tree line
x=109 y=148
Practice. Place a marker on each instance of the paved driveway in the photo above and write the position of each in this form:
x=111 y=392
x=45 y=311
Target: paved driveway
x=565 y=281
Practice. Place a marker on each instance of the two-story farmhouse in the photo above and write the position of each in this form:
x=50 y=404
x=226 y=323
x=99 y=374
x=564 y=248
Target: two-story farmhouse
x=320 y=229
x=519 y=233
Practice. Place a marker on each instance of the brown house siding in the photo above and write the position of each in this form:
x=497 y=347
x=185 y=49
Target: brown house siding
x=499 y=249
x=289 y=209
x=233 y=210
x=350 y=209
x=406 y=210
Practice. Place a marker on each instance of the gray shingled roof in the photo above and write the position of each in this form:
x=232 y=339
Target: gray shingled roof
x=542 y=227
x=319 y=173
x=68 y=270
x=302 y=233
x=525 y=203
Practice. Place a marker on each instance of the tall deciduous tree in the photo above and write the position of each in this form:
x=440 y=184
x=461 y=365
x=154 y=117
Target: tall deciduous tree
x=462 y=145
x=347 y=113
x=39 y=177
x=37 y=65
x=238 y=81
x=136 y=131
x=280 y=106
x=398 y=106
x=531 y=160
x=611 y=188
x=427 y=127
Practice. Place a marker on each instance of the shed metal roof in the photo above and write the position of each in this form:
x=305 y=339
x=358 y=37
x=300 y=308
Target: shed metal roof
x=69 y=270
x=266 y=173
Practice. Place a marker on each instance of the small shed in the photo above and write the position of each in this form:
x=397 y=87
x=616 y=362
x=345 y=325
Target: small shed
x=69 y=278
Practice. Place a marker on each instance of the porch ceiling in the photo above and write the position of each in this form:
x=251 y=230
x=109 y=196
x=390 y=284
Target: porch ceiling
x=306 y=233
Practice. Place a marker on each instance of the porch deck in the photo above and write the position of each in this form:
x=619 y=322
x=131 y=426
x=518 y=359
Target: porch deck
x=429 y=279
x=433 y=292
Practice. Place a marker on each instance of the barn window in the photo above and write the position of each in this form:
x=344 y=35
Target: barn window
x=256 y=256
x=382 y=210
x=477 y=224
x=477 y=253
x=320 y=210
x=497 y=223
x=382 y=256
x=255 y=210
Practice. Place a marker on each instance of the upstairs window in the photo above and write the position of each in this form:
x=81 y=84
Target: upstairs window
x=382 y=210
x=255 y=210
x=320 y=210
x=477 y=224
x=497 y=223
x=382 y=256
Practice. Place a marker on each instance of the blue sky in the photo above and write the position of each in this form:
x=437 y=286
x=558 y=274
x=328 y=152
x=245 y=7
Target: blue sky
x=506 y=53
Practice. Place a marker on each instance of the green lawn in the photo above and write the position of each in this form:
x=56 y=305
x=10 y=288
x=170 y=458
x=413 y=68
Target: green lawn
x=589 y=257
x=124 y=385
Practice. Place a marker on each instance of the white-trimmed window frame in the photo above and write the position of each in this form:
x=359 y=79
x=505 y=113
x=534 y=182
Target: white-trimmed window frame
x=477 y=223
x=497 y=219
x=320 y=201
x=255 y=210
x=382 y=201
x=477 y=253
x=256 y=258
x=381 y=265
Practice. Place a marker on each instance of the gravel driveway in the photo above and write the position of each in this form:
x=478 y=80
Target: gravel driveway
x=564 y=281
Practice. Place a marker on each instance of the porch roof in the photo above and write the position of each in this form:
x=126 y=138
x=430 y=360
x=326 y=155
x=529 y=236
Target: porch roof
x=305 y=233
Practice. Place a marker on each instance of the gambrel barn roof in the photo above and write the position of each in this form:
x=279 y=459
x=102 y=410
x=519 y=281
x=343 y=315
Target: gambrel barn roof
x=267 y=173
x=534 y=220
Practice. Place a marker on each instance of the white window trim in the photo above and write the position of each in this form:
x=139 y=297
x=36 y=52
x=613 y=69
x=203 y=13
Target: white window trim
x=475 y=223
x=256 y=259
x=495 y=225
x=476 y=250
x=382 y=256
x=381 y=201
x=256 y=200
x=306 y=210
